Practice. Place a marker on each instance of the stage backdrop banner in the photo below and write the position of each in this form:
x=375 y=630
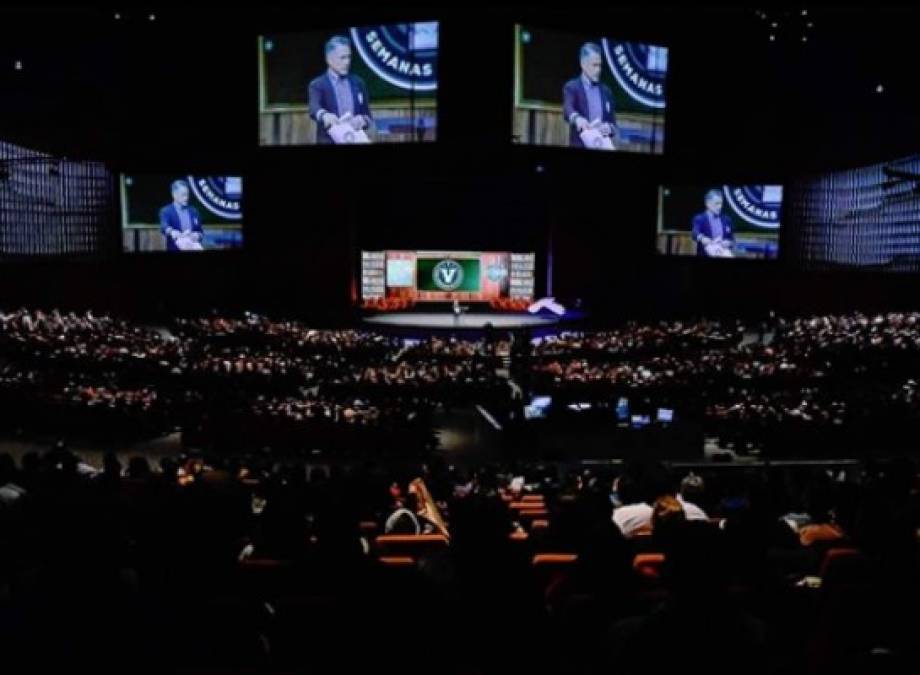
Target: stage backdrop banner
x=445 y=276
x=437 y=274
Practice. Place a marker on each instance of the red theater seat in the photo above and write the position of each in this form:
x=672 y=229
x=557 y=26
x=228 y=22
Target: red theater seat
x=844 y=566
x=554 y=559
x=526 y=505
x=397 y=560
x=550 y=568
x=648 y=565
x=531 y=515
x=415 y=545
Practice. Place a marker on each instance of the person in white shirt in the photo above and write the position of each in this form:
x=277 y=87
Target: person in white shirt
x=693 y=511
x=691 y=490
x=636 y=490
x=633 y=519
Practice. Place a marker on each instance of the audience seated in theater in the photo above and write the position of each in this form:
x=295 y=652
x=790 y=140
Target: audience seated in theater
x=637 y=489
x=697 y=620
x=403 y=518
x=691 y=493
x=667 y=517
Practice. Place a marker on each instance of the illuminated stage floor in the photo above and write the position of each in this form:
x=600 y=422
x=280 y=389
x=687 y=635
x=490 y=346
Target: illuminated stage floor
x=471 y=321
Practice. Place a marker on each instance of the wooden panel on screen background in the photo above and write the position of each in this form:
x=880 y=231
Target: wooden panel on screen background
x=533 y=126
x=148 y=238
x=294 y=127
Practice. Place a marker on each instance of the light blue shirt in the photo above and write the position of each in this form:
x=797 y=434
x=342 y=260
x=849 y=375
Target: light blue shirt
x=715 y=225
x=593 y=95
x=343 y=98
x=185 y=218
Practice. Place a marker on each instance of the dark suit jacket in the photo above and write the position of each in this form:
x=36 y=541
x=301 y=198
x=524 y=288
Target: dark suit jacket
x=321 y=98
x=702 y=227
x=169 y=220
x=574 y=100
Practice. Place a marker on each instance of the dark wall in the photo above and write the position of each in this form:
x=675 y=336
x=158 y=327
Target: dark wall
x=180 y=93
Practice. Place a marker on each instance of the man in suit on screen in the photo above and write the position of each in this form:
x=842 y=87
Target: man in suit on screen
x=587 y=103
x=179 y=222
x=337 y=96
x=712 y=229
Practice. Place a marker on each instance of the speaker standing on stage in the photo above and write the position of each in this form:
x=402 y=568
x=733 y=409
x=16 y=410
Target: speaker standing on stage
x=337 y=96
x=587 y=103
x=179 y=222
x=712 y=230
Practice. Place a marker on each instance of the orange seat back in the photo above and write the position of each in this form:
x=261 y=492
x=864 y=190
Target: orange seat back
x=409 y=544
x=391 y=539
x=843 y=566
x=397 y=560
x=531 y=514
x=648 y=565
x=554 y=559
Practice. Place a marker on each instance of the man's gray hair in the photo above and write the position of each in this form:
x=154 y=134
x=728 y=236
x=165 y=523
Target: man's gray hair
x=176 y=184
x=587 y=49
x=712 y=194
x=336 y=41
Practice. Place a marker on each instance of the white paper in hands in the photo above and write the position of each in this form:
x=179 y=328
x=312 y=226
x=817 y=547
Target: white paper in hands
x=595 y=140
x=718 y=249
x=186 y=242
x=343 y=133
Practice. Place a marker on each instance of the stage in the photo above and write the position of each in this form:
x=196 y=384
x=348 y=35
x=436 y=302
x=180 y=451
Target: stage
x=465 y=321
